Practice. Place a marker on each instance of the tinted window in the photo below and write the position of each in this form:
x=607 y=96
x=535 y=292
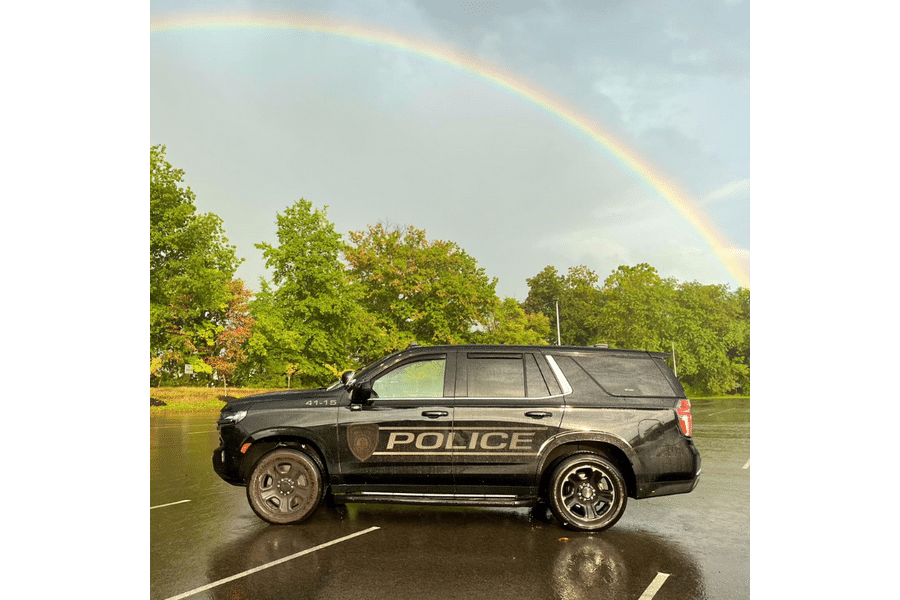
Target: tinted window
x=496 y=376
x=621 y=376
x=537 y=387
x=420 y=379
x=583 y=386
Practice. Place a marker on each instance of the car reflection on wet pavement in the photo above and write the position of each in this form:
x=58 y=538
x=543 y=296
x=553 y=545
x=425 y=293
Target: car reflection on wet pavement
x=700 y=541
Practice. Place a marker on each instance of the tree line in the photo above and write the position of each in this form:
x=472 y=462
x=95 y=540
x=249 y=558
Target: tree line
x=333 y=305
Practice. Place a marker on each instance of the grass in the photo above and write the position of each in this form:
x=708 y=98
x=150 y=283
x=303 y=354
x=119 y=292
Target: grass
x=196 y=399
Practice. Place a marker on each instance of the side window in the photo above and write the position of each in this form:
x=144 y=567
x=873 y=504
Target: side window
x=420 y=379
x=537 y=387
x=584 y=387
x=500 y=376
x=622 y=376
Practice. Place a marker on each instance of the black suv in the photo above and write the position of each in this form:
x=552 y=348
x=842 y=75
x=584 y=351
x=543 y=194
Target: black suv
x=579 y=428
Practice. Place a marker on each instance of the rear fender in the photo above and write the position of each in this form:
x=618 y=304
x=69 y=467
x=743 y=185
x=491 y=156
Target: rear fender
x=617 y=449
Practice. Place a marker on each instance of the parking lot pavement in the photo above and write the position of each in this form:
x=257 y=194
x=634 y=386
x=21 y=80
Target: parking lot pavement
x=207 y=543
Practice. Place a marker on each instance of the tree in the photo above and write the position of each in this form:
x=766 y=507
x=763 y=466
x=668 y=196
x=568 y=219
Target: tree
x=638 y=309
x=740 y=354
x=191 y=265
x=232 y=334
x=579 y=307
x=544 y=291
x=508 y=323
x=429 y=291
x=579 y=300
x=311 y=317
x=711 y=332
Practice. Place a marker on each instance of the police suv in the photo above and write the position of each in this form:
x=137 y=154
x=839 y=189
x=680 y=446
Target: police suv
x=581 y=429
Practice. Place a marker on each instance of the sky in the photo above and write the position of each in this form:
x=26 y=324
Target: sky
x=261 y=116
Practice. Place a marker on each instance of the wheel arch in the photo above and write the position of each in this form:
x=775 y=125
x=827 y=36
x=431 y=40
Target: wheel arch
x=611 y=451
x=262 y=444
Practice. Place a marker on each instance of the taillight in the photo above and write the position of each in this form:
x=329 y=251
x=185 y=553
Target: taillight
x=684 y=416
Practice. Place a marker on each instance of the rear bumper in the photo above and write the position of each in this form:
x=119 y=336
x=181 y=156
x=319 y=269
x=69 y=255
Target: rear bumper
x=668 y=488
x=675 y=484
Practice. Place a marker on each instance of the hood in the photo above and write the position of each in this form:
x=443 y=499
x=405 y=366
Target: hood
x=296 y=396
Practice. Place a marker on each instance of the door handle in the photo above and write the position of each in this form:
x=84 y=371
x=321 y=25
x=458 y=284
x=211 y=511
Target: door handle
x=538 y=414
x=434 y=414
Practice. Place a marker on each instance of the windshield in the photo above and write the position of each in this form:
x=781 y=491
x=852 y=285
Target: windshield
x=359 y=373
x=364 y=372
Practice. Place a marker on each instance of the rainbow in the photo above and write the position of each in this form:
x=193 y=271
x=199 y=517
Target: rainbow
x=481 y=68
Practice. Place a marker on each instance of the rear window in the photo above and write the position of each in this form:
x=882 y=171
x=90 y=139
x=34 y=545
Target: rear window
x=620 y=376
x=616 y=375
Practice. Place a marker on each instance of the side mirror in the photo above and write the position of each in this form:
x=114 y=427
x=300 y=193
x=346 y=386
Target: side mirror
x=361 y=393
x=347 y=376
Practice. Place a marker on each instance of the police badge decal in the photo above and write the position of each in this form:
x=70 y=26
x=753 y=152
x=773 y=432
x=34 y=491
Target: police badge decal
x=363 y=439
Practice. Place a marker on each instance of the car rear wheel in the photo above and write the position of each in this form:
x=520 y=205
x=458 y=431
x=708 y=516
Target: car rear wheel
x=284 y=487
x=587 y=493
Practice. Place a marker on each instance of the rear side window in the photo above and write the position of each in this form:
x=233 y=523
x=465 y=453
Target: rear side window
x=537 y=387
x=496 y=376
x=621 y=376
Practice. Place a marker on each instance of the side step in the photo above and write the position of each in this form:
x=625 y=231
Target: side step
x=440 y=499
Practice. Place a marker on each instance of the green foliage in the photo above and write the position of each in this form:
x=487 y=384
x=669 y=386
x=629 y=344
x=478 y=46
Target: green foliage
x=579 y=298
x=311 y=317
x=416 y=289
x=508 y=323
x=191 y=266
x=544 y=290
x=332 y=306
x=712 y=338
x=637 y=310
x=707 y=325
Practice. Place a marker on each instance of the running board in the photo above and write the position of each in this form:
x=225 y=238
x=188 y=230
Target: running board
x=442 y=499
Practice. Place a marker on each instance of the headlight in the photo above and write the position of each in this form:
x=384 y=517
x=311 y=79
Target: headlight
x=230 y=418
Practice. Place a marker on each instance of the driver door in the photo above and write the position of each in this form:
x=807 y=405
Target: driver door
x=400 y=441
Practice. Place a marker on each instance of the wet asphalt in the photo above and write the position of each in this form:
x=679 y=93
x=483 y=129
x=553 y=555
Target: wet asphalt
x=204 y=538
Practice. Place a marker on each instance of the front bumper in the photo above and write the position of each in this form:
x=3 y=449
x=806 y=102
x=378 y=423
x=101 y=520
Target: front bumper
x=224 y=469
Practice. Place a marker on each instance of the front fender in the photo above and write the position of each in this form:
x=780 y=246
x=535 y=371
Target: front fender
x=265 y=439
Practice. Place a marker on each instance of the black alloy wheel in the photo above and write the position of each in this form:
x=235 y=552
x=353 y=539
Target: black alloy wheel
x=285 y=487
x=587 y=493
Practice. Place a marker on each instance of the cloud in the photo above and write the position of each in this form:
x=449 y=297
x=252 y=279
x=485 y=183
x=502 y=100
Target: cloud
x=640 y=232
x=734 y=189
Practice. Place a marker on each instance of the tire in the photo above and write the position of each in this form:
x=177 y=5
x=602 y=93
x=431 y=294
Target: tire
x=587 y=493
x=285 y=487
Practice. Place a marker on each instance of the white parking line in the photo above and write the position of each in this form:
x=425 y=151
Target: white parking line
x=747 y=464
x=654 y=586
x=169 y=504
x=272 y=564
x=207 y=431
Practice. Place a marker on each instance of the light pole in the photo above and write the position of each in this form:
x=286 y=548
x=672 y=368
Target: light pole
x=558 y=339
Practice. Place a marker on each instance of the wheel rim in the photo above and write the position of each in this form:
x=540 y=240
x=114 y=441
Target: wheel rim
x=285 y=487
x=587 y=493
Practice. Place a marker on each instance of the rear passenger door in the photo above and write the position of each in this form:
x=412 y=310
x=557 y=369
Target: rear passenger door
x=507 y=405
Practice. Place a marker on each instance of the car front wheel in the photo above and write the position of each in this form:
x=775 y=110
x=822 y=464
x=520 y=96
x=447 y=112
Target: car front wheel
x=587 y=493
x=284 y=487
